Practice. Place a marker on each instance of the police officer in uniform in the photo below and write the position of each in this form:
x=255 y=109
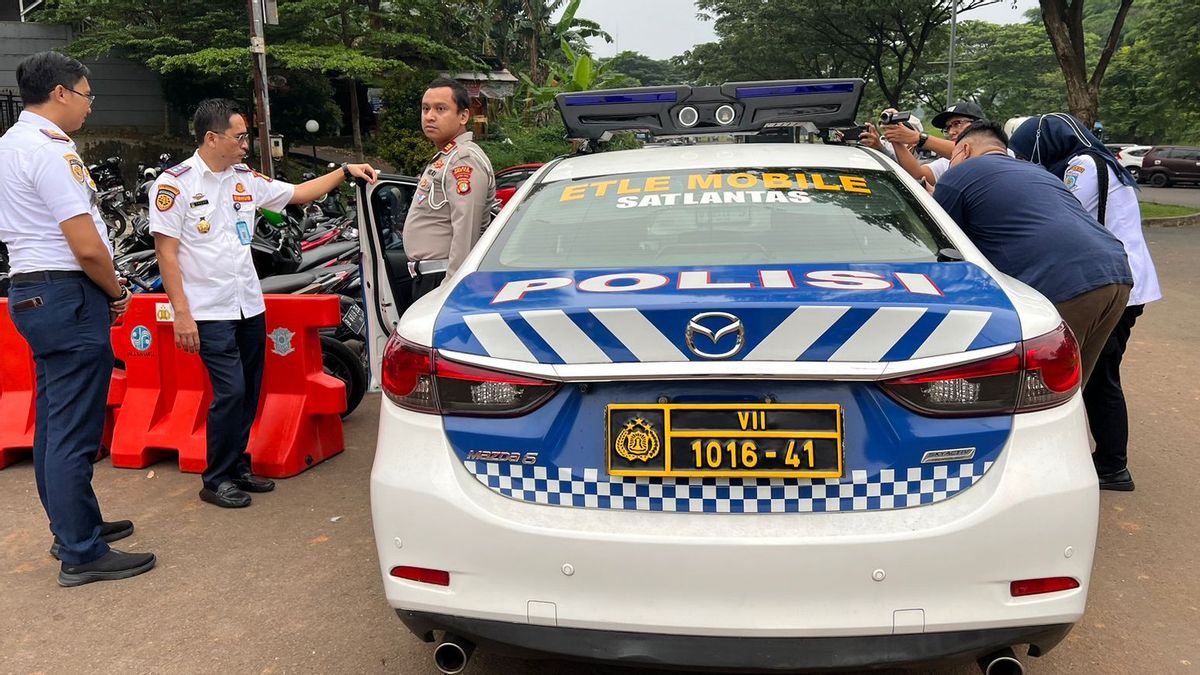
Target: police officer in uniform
x=63 y=298
x=452 y=205
x=202 y=218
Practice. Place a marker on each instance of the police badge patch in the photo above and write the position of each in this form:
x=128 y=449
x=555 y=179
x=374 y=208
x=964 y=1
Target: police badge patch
x=165 y=198
x=462 y=179
x=281 y=341
x=77 y=168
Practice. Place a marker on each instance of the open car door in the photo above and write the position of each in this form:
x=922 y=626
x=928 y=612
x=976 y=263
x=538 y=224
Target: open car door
x=387 y=286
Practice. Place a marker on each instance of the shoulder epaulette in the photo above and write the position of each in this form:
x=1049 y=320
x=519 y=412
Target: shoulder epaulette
x=56 y=136
x=178 y=170
x=242 y=168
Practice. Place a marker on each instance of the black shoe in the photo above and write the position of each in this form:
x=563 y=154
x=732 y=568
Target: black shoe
x=109 y=532
x=227 y=495
x=113 y=565
x=1120 y=481
x=248 y=482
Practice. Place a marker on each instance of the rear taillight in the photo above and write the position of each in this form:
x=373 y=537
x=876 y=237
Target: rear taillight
x=1040 y=373
x=418 y=379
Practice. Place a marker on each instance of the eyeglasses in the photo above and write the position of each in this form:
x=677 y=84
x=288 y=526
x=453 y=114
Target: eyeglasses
x=89 y=96
x=957 y=123
x=243 y=137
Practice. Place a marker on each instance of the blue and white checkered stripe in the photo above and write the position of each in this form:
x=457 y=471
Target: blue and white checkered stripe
x=588 y=488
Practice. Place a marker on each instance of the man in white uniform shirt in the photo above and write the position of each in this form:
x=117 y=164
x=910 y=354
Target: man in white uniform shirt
x=63 y=298
x=202 y=217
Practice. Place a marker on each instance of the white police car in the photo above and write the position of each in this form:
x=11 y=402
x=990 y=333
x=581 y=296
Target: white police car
x=745 y=406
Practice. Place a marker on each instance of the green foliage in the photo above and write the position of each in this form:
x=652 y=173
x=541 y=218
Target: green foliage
x=400 y=141
x=647 y=71
x=1009 y=70
x=578 y=74
x=514 y=141
x=407 y=150
x=303 y=96
x=1153 y=210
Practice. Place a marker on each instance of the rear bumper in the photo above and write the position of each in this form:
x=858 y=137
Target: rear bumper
x=923 y=572
x=698 y=654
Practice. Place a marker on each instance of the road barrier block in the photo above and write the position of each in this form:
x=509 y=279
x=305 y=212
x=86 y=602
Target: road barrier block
x=167 y=391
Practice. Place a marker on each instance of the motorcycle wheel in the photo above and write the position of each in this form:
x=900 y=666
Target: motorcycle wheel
x=341 y=362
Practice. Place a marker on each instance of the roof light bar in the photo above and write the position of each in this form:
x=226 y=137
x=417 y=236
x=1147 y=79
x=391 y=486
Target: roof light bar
x=796 y=89
x=608 y=99
x=733 y=107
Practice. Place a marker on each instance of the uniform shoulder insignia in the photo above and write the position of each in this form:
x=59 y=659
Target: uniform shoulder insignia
x=462 y=179
x=56 y=136
x=449 y=146
x=242 y=168
x=178 y=170
x=165 y=198
x=262 y=176
x=78 y=170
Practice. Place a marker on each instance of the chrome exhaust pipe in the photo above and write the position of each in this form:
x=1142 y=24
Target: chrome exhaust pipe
x=1001 y=662
x=452 y=654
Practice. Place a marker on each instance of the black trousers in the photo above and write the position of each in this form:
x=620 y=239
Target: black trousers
x=233 y=353
x=1104 y=399
x=424 y=283
x=65 y=321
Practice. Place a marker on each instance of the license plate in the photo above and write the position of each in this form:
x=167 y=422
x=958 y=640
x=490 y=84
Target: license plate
x=770 y=440
x=354 y=319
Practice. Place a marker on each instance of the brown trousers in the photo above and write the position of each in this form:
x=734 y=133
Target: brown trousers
x=1092 y=317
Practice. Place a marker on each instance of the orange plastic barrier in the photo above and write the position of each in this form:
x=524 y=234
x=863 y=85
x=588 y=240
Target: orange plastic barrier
x=167 y=392
x=18 y=387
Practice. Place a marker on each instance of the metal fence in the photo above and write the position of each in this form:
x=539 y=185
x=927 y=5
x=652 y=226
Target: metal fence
x=10 y=107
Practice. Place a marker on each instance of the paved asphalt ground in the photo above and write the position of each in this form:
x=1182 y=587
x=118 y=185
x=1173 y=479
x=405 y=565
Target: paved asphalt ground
x=1183 y=195
x=291 y=585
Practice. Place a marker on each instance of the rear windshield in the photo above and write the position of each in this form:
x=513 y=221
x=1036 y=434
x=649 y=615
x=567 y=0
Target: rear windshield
x=717 y=217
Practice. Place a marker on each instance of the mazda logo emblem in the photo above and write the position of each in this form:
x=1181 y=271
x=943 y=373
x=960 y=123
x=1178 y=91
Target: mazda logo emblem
x=730 y=325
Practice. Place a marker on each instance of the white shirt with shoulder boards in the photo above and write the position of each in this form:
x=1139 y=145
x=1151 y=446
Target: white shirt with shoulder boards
x=43 y=183
x=1123 y=217
x=212 y=216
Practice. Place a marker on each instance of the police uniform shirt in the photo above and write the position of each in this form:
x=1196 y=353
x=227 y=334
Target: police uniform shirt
x=43 y=182
x=212 y=216
x=451 y=207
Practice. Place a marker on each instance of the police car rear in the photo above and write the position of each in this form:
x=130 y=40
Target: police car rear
x=726 y=407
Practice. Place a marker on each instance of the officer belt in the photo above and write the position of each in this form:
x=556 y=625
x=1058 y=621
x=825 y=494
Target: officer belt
x=48 y=275
x=419 y=267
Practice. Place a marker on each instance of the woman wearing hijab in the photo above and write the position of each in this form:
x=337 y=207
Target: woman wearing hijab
x=1063 y=144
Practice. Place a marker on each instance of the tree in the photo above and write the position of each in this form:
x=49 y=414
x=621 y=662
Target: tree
x=581 y=73
x=1064 y=24
x=542 y=34
x=1009 y=70
x=647 y=71
x=1149 y=93
x=881 y=40
x=202 y=45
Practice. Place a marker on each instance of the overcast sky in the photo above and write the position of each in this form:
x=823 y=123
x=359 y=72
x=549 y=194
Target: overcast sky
x=664 y=28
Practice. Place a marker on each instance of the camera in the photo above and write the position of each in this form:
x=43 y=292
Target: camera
x=886 y=117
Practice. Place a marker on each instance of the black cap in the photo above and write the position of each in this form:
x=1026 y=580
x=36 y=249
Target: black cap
x=960 y=109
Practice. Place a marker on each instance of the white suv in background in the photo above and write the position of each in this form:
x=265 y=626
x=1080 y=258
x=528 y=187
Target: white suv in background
x=1131 y=157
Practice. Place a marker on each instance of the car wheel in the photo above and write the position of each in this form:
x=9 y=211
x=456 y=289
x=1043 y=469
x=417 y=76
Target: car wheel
x=1136 y=172
x=341 y=362
x=1160 y=180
